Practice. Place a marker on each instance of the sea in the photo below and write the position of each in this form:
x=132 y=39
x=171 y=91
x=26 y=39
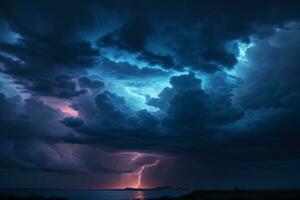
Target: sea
x=96 y=194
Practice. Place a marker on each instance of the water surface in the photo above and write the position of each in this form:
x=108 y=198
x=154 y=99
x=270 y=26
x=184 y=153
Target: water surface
x=96 y=194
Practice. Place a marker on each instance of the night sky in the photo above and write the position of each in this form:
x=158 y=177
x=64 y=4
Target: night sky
x=138 y=93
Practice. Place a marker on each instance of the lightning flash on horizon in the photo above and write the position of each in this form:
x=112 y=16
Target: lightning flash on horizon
x=140 y=172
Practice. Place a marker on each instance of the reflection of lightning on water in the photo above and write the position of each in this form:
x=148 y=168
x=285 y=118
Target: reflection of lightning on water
x=140 y=172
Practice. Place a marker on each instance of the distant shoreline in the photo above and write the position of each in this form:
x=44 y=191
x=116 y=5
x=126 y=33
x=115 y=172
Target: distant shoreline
x=237 y=194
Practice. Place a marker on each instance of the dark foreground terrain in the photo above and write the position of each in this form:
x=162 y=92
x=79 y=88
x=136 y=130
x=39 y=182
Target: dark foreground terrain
x=10 y=197
x=200 y=195
x=238 y=195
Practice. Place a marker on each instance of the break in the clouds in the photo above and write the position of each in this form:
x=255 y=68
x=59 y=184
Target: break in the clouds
x=186 y=93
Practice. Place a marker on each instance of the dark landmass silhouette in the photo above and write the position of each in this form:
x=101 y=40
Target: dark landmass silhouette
x=198 y=195
x=238 y=195
x=11 y=197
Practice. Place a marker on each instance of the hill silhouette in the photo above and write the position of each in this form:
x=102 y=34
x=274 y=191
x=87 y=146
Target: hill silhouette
x=237 y=195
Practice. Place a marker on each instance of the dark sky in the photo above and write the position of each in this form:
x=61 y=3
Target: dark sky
x=114 y=94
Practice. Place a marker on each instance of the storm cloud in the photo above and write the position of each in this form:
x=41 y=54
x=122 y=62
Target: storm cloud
x=99 y=89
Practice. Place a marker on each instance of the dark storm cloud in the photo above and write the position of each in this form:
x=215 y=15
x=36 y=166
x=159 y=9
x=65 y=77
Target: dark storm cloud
x=114 y=123
x=195 y=34
x=192 y=109
x=189 y=112
x=124 y=70
x=274 y=110
x=31 y=140
x=72 y=122
x=217 y=122
x=85 y=82
x=207 y=120
x=132 y=37
x=23 y=126
x=47 y=53
x=223 y=58
x=29 y=119
x=41 y=66
x=49 y=44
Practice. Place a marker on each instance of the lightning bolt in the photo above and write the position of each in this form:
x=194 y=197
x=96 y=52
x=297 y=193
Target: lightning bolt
x=140 y=172
x=136 y=156
x=137 y=176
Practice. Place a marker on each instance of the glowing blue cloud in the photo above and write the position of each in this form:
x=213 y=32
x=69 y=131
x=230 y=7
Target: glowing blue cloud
x=241 y=57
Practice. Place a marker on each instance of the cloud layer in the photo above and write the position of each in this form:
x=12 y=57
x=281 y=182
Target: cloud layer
x=100 y=89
